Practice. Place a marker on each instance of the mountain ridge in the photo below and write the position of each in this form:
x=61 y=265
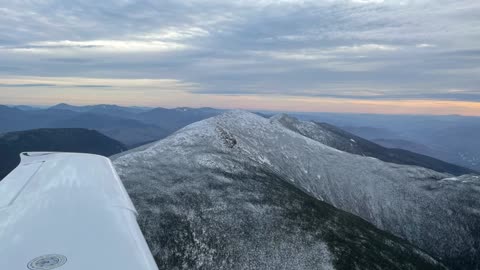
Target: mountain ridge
x=203 y=205
x=342 y=140
x=381 y=193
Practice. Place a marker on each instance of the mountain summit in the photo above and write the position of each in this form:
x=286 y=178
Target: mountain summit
x=239 y=189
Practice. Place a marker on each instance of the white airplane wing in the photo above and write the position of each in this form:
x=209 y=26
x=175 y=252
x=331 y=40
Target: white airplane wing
x=71 y=212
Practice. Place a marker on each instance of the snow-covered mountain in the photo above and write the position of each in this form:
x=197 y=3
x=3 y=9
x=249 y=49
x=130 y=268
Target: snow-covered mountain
x=238 y=191
x=337 y=138
x=446 y=137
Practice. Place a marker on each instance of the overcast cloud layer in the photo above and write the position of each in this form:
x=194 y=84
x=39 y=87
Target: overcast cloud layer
x=358 y=49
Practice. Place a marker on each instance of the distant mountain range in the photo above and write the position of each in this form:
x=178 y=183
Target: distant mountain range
x=57 y=140
x=107 y=109
x=134 y=126
x=174 y=119
x=337 y=138
x=447 y=137
x=242 y=190
x=130 y=125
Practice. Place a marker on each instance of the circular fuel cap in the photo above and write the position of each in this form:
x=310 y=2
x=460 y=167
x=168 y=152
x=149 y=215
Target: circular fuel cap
x=47 y=262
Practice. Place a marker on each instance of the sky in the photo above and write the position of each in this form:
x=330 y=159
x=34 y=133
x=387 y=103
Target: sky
x=369 y=56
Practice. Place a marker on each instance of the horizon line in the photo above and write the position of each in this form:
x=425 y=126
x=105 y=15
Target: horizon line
x=47 y=106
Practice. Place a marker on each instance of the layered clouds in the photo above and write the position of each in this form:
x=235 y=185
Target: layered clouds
x=360 y=50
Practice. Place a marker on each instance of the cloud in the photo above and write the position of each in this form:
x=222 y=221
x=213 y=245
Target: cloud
x=367 y=1
x=164 y=40
x=79 y=82
x=99 y=46
x=27 y=85
x=176 y=33
x=340 y=58
x=92 y=86
x=425 y=45
x=342 y=49
x=365 y=48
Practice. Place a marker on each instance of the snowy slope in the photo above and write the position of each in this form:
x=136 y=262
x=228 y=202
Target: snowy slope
x=239 y=187
x=347 y=142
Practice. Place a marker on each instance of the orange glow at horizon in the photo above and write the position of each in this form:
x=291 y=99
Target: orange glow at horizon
x=171 y=93
x=257 y=102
